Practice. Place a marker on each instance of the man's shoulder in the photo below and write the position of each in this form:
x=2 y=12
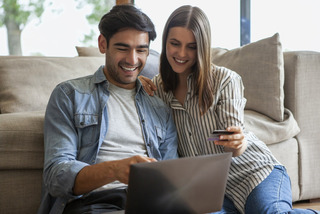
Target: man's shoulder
x=81 y=84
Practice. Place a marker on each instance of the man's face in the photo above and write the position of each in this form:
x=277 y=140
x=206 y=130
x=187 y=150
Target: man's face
x=126 y=55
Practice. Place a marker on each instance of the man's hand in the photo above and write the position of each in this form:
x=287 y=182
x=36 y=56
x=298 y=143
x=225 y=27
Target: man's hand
x=235 y=143
x=97 y=175
x=147 y=85
x=121 y=168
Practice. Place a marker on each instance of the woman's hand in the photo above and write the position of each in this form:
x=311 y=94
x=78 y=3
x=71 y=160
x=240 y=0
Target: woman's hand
x=235 y=143
x=147 y=85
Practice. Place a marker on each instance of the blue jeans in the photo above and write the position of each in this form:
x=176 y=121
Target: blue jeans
x=98 y=202
x=273 y=195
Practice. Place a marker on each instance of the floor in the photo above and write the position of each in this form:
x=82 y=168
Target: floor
x=306 y=204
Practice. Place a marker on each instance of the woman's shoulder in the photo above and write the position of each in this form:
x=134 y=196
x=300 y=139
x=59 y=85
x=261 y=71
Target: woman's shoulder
x=165 y=96
x=157 y=80
x=220 y=70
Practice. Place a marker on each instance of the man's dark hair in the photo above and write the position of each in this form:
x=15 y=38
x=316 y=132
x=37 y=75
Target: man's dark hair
x=125 y=16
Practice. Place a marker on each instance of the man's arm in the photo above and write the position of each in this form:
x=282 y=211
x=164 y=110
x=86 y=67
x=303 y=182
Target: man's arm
x=97 y=175
x=61 y=145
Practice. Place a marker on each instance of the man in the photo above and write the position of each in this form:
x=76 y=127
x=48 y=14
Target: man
x=97 y=126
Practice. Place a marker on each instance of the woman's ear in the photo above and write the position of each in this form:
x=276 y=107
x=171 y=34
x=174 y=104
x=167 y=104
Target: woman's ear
x=102 y=43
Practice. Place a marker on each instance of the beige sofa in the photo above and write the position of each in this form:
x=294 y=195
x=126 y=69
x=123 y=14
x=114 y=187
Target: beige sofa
x=282 y=90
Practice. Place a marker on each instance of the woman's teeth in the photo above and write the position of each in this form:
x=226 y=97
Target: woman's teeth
x=180 y=61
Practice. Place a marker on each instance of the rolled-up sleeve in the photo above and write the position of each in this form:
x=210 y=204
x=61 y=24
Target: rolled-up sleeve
x=230 y=108
x=61 y=145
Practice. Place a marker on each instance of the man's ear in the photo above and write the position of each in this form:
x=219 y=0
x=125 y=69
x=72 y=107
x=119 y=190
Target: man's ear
x=102 y=43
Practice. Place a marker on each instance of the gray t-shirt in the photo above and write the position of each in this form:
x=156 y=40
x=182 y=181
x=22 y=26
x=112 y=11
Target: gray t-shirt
x=124 y=137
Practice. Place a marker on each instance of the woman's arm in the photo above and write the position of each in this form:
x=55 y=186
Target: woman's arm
x=230 y=111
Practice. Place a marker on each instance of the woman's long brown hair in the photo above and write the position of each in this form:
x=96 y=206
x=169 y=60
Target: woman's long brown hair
x=195 y=20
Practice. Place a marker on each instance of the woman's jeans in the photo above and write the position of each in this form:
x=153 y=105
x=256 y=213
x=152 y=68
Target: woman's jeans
x=273 y=195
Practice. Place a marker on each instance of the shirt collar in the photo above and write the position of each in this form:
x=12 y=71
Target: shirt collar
x=174 y=103
x=100 y=77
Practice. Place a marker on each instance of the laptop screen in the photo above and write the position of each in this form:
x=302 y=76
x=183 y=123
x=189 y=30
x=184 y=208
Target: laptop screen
x=184 y=185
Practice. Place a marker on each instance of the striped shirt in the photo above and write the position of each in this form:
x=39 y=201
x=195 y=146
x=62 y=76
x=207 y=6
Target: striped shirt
x=247 y=170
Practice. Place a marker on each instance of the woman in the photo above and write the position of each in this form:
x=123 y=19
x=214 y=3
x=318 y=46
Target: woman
x=204 y=98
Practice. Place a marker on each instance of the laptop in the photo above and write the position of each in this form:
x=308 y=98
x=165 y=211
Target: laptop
x=185 y=185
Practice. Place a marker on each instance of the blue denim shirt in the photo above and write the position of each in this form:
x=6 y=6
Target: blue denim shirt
x=76 y=123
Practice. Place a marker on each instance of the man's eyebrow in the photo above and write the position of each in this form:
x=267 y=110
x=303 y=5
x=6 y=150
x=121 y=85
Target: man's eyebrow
x=122 y=44
x=128 y=46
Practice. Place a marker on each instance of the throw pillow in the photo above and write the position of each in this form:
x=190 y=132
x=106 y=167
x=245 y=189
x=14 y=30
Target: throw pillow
x=261 y=66
x=88 y=51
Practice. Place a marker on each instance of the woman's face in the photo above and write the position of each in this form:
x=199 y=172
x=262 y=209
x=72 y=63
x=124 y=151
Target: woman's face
x=181 y=49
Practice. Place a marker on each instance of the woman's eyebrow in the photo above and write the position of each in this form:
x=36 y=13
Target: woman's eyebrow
x=176 y=40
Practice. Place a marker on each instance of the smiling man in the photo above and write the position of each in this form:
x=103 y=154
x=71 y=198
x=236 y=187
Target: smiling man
x=97 y=126
x=126 y=53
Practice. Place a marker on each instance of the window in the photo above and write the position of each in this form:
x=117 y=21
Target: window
x=63 y=25
x=297 y=22
x=223 y=15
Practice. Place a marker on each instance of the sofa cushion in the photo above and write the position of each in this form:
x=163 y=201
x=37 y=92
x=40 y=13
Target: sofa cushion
x=152 y=65
x=21 y=140
x=26 y=83
x=261 y=67
x=268 y=130
x=20 y=191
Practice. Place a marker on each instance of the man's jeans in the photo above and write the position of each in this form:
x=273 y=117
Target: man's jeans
x=273 y=195
x=98 y=202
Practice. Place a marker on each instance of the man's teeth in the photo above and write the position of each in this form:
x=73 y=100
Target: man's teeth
x=180 y=61
x=128 y=69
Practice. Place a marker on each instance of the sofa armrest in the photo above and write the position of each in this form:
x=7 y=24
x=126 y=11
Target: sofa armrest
x=21 y=140
x=302 y=75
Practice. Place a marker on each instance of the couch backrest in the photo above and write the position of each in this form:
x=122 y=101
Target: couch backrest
x=26 y=83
